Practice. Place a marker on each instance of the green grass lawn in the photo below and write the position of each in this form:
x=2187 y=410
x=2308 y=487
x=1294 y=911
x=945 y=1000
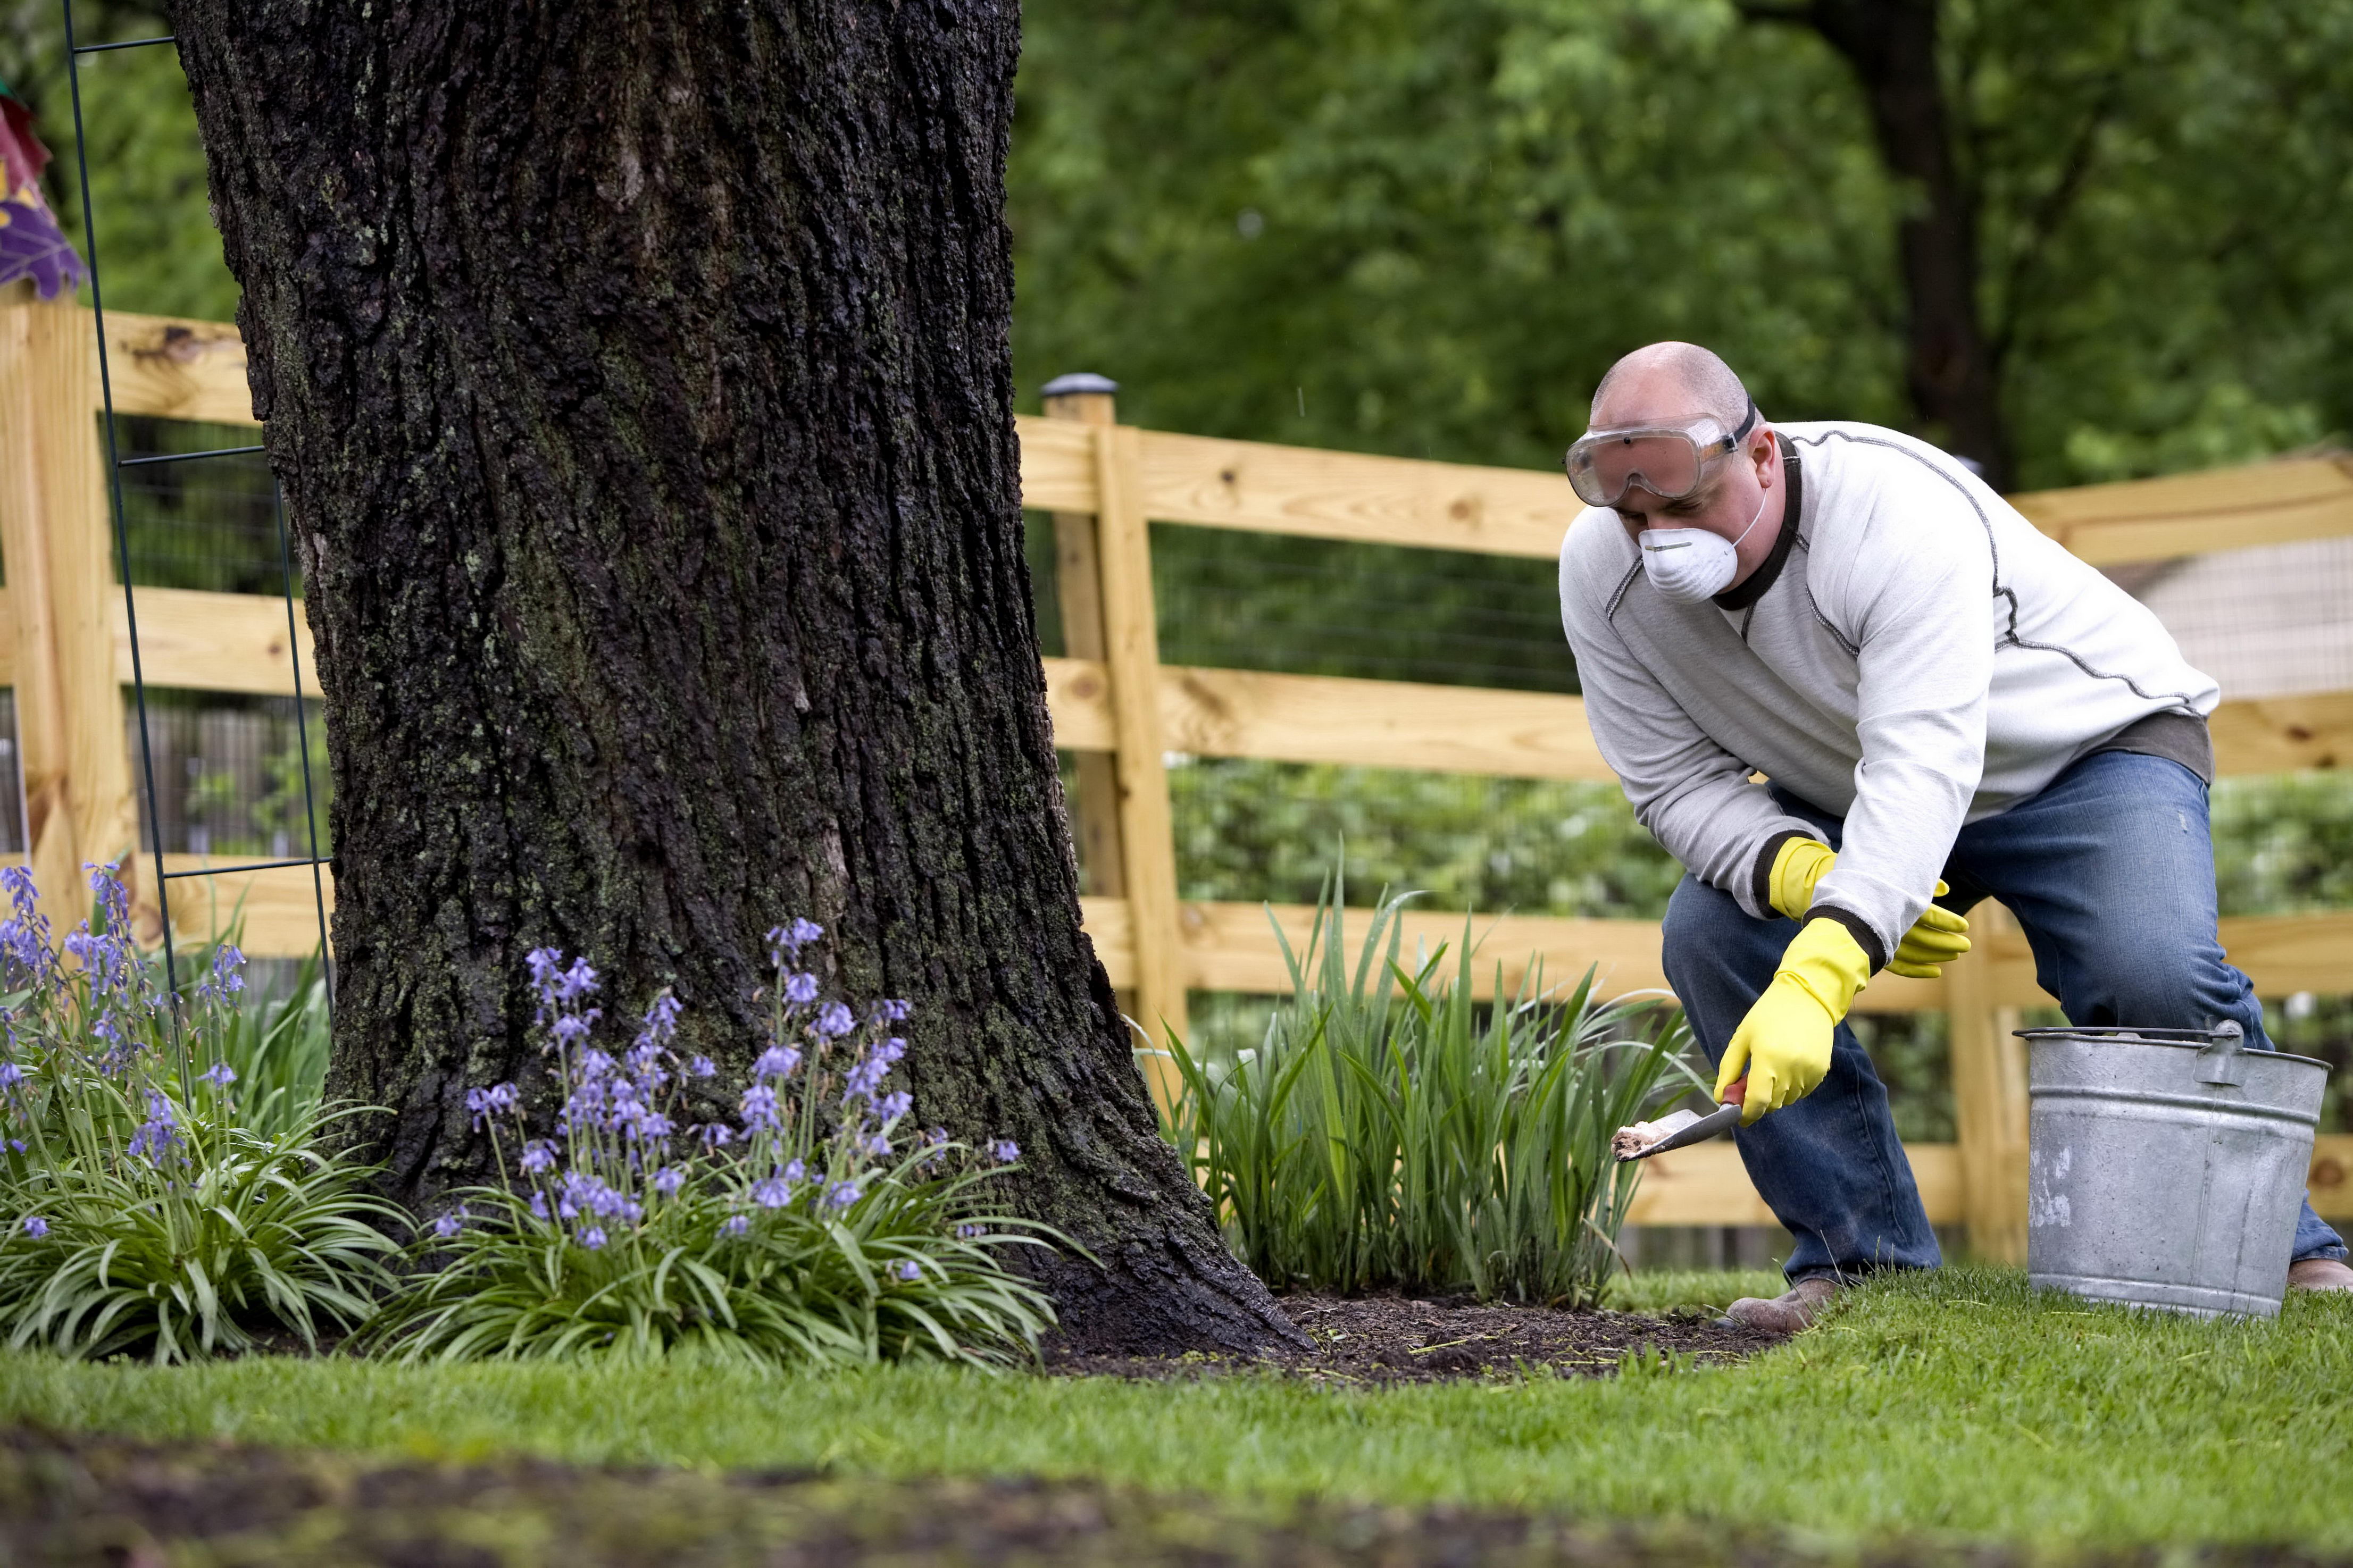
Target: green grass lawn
x=1958 y=1402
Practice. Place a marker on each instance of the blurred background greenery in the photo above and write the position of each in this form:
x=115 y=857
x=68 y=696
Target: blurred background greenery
x=1424 y=228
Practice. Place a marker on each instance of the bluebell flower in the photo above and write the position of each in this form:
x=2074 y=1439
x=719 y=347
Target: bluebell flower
x=833 y=1021
x=1005 y=1150
x=593 y=1237
x=158 y=1134
x=484 y=1102
x=735 y=1224
x=841 y=1195
x=35 y=1226
x=668 y=1180
x=661 y=1019
x=759 y=1107
x=25 y=943
x=800 y=989
x=226 y=978
x=791 y=938
x=890 y=1011
x=773 y=1193
x=702 y=1067
x=795 y=1170
x=968 y=1231
x=538 y=1155
x=450 y=1224
x=908 y=1269
x=11 y=1075
x=220 y=1075
x=776 y=1061
x=539 y=1205
x=716 y=1134
x=879 y=1146
x=893 y=1106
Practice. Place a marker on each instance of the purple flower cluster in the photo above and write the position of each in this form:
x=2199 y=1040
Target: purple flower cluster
x=159 y=1135
x=223 y=979
x=84 y=1023
x=806 y=1138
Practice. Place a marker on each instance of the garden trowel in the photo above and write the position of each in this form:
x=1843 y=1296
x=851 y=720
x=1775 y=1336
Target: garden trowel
x=1682 y=1128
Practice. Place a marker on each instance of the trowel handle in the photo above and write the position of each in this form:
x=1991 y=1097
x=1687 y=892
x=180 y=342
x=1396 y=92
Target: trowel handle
x=1737 y=1092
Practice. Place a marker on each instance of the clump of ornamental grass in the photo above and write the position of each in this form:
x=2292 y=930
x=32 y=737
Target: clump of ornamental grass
x=1392 y=1132
x=807 y=1228
x=153 y=1201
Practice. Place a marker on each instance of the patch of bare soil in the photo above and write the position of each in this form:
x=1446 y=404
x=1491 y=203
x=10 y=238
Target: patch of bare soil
x=109 y=1502
x=1397 y=1339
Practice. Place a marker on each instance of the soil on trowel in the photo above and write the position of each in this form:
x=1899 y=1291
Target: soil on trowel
x=1400 y=1339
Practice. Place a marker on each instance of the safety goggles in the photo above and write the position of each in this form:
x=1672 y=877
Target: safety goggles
x=1671 y=461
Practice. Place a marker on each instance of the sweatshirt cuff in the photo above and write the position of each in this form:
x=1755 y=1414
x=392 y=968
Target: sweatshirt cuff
x=1858 y=928
x=1760 y=876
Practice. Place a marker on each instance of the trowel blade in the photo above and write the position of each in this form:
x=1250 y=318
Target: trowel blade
x=1698 y=1130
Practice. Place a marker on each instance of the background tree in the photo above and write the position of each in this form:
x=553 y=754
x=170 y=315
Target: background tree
x=638 y=378
x=1426 y=228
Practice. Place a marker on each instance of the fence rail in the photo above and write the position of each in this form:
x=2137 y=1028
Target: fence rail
x=1119 y=711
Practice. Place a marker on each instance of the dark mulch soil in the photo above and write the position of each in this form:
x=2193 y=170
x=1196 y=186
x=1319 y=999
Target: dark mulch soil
x=76 y=1502
x=1393 y=1339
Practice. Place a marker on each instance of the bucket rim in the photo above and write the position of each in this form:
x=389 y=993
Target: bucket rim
x=2126 y=1034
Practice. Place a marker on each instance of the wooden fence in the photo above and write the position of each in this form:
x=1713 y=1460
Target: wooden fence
x=66 y=650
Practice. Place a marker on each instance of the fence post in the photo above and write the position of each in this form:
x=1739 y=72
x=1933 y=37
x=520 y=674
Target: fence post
x=59 y=563
x=1077 y=583
x=1131 y=656
x=1989 y=1066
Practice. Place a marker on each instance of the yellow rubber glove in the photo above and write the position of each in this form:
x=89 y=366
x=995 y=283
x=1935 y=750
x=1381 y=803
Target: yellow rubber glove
x=1935 y=938
x=1784 y=1044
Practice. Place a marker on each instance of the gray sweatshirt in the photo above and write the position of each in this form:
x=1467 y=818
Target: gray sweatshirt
x=1912 y=656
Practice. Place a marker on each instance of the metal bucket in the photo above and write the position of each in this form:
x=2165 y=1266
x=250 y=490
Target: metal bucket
x=2167 y=1167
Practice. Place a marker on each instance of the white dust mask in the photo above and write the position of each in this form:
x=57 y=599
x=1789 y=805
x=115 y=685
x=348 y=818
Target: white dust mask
x=1689 y=565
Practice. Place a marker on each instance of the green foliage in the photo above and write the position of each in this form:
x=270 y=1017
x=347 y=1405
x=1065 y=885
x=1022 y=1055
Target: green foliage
x=1958 y=1404
x=144 y=1207
x=799 y=1234
x=794 y=1286
x=2283 y=844
x=276 y=1043
x=1426 y=229
x=258 y=1234
x=1258 y=830
x=1390 y=1132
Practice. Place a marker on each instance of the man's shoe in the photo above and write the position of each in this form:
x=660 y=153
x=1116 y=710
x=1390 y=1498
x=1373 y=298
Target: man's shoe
x=1788 y=1313
x=2319 y=1274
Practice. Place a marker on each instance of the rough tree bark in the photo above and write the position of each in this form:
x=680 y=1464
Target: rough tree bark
x=1951 y=366
x=637 y=374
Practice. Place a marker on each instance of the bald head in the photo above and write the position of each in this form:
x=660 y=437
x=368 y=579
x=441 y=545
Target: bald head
x=1668 y=381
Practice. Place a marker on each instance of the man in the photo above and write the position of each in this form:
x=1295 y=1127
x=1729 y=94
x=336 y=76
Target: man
x=1949 y=707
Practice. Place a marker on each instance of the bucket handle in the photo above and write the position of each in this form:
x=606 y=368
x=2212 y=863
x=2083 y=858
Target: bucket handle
x=2220 y=1061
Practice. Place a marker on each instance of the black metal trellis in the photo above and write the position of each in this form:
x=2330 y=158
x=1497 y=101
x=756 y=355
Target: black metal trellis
x=116 y=463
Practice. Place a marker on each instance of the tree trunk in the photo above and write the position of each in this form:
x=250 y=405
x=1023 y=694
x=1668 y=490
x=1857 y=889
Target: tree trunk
x=1950 y=367
x=637 y=372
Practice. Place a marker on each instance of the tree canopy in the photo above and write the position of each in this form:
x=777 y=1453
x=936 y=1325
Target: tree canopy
x=1425 y=228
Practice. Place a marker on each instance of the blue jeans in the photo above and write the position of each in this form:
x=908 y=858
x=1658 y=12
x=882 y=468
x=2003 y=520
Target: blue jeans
x=2110 y=871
